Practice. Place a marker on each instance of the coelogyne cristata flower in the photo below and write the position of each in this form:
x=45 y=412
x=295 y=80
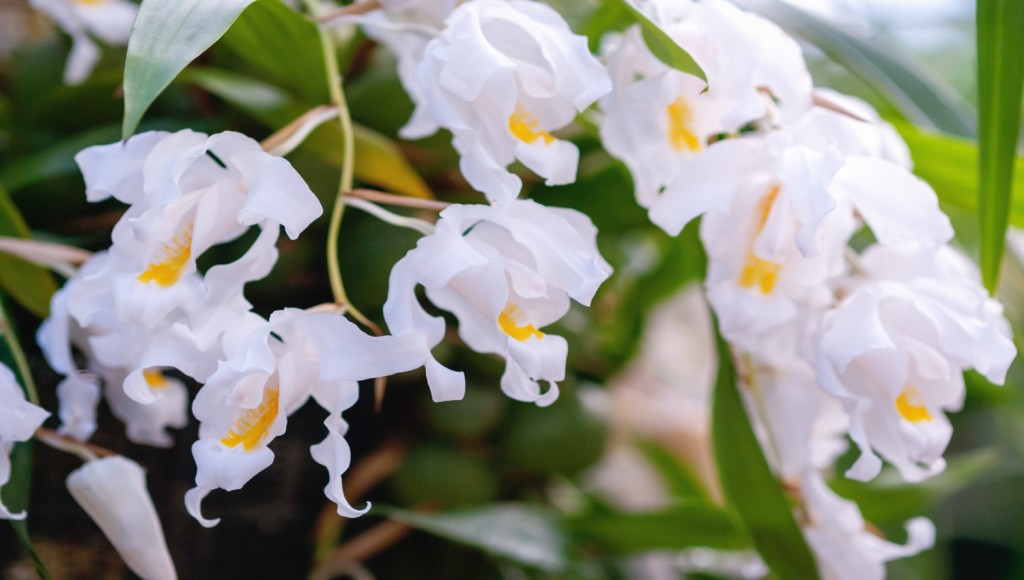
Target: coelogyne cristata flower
x=270 y=369
x=142 y=304
x=112 y=490
x=896 y=348
x=406 y=27
x=501 y=76
x=110 y=20
x=845 y=548
x=505 y=272
x=19 y=419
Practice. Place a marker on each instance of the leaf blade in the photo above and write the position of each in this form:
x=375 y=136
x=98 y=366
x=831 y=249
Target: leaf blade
x=166 y=37
x=748 y=482
x=1000 y=82
x=662 y=45
x=29 y=285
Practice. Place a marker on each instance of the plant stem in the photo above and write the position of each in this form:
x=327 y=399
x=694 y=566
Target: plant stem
x=334 y=81
x=18 y=354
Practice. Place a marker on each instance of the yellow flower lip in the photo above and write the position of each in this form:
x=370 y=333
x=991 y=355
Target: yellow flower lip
x=251 y=429
x=524 y=127
x=511 y=322
x=758 y=272
x=909 y=408
x=167 y=270
x=680 y=136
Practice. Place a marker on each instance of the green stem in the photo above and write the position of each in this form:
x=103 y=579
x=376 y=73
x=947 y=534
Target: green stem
x=334 y=83
x=18 y=354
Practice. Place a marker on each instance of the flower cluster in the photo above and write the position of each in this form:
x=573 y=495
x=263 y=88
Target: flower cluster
x=834 y=339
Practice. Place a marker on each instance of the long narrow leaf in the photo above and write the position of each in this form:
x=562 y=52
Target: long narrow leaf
x=661 y=44
x=688 y=524
x=748 y=482
x=1000 y=80
x=169 y=34
x=921 y=96
x=28 y=284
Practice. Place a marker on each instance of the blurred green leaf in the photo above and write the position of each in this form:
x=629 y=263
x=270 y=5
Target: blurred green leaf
x=888 y=499
x=474 y=415
x=950 y=165
x=522 y=533
x=680 y=481
x=608 y=17
x=283 y=45
x=167 y=35
x=749 y=485
x=687 y=524
x=263 y=101
x=564 y=438
x=661 y=44
x=58 y=160
x=922 y=96
x=446 y=476
x=29 y=285
x=1000 y=34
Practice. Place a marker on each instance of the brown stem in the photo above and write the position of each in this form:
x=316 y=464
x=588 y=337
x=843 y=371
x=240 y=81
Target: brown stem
x=353 y=9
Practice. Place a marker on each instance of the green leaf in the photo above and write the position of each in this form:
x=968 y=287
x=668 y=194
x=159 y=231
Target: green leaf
x=522 y=533
x=262 y=101
x=922 y=97
x=58 y=160
x=167 y=35
x=950 y=165
x=661 y=44
x=888 y=499
x=688 y=524
x=1000 y=84
x=284 y=46
x=29 y=285
x=442 y=475
x=748 y=483
x=680 y=481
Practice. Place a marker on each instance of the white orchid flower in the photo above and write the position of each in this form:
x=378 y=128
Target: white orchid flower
x=270 y=369
x=757 y=72
x=19 y=419
x=895 y=349
x=501 y=77
x=654 y=115
x=112 y=490
x=147 y=424
x=843 y=544
x=109 y=20
x=406 y=27
x=505 y=272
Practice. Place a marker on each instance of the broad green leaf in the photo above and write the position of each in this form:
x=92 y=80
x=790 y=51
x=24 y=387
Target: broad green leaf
x=920 y=95
x=688 y=524
x=661 y=44
x=29 y=285
x=167 y=35
x=442 y=475
x=522 y=533
x=282 y=45
x=950 y=165
x=378 y=161
x=680 y=481
x=1000 y=36
x=888 y=499
x=58 y=160
x=749 y=485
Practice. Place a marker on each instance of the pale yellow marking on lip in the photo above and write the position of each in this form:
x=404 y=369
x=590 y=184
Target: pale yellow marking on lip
x=511 y=322
x=758 y=272
x=167 y=270
x=679 y=134
x=908 y=407
x=524 y=127
x=251 y=428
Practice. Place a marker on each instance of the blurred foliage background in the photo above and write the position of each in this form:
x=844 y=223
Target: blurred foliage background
x=488 y=487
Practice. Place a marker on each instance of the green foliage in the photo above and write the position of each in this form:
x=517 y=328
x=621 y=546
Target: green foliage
x=679 y=479
x=28 y=284
x=169 y=34
x=1000 y=27
x=563 y=439
x=749 y=485
x=523 y=533
x=687 y=524
x=440 y=475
